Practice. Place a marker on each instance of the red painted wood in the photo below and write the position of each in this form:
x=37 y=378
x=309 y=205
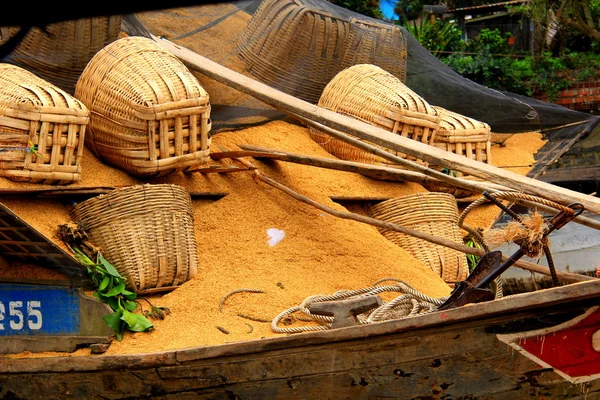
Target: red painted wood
x=569 y=350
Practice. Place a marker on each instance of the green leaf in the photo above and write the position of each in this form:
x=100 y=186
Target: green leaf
x=113 y=302
x=130 y=305
x=116 y=290
x=114 y=321
x=136 y=322
x=104 y=284
x=109 y=268
x=128 y=295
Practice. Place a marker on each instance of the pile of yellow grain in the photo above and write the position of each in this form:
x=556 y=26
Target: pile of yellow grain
x=319 y=253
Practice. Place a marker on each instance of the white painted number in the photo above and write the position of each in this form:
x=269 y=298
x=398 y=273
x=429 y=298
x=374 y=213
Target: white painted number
x=34 y=313
x=13 y=310
x=17 y=322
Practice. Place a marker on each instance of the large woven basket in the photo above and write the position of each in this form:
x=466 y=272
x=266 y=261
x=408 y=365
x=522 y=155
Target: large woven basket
x=146 y=232
x=149 y=114
x=60 y=52
x=42 y=129
x=297 y=46
x=466 y=137
x=372 y=95
x=432 y=213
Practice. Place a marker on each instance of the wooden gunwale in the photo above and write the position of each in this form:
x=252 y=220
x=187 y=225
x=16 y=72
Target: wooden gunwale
x=502 y=310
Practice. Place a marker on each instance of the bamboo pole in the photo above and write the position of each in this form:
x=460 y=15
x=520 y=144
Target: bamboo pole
x=388 y=173
x=566 y=276
x=374 y=134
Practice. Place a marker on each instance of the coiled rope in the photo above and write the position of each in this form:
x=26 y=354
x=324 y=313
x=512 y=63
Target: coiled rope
x=409 y=303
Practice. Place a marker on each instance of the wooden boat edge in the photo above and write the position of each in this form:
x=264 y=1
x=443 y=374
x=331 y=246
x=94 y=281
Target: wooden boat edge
x=480 y=313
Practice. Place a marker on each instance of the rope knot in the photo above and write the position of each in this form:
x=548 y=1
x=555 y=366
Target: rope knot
x=528 y=234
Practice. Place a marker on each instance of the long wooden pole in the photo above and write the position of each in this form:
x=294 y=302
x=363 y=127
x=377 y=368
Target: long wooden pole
x=387 y=173
x=567 y=276
x=374 y=134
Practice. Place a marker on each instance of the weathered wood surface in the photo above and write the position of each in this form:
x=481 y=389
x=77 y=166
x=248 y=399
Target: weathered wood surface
x=89 y=327
x=362 y=130
x=452 y=354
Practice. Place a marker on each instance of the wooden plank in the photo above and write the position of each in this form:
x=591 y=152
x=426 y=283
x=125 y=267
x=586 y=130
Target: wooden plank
x=552 y=151
x=564 y=297
x=66 y=318
x=571 y=174
x=216 y=169
x=463 y=360
x=362 y=130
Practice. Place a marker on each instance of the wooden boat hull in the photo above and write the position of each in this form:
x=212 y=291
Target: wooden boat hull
x=467 y=352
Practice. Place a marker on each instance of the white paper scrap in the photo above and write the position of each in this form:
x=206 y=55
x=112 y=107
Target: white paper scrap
x=275 y=236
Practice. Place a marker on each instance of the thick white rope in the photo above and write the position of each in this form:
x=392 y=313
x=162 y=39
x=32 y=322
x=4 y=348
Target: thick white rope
x=409 y=303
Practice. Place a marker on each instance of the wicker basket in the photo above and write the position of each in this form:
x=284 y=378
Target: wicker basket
x=297 y=46
x=463 y=136
x=372 y=95
x=42 y=129
x=146 y=232
x=432 y=213
x=60 y=54
x=149 y=115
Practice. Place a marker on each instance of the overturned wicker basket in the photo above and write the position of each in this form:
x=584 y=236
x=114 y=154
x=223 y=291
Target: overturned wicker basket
x=372 y=95
x=61 y=51
x=42 y=129
x=432 y=213
x=146 y=232
x=466 y=137
x=150 y=115
x=297 y=46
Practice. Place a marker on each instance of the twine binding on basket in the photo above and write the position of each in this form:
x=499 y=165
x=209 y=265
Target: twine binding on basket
x=297 y=46
x=146 y=232
x=149 y=114
x=432 y=213
x=42 y=129
x=370 y=94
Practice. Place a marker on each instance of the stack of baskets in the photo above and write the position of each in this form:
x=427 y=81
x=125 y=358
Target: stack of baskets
x=372 y=95
x=146 y=232
x=432 y=213
x=464 y=136
x=297 y=46
x=149 y=114
x=60 y=52
x=42 y=129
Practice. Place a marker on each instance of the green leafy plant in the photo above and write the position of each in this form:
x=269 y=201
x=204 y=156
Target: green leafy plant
x=435 y=35
x=472 y=259
x=111 y=289
x=111 y=286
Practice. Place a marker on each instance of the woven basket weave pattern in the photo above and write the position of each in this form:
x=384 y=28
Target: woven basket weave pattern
x=463 y=136
x=36 y=112
x=60 y=55
x=432 y=213
x=150 y=115
x=370 y=94
x=297 y=48
x=146 y=232
x=466 y=137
